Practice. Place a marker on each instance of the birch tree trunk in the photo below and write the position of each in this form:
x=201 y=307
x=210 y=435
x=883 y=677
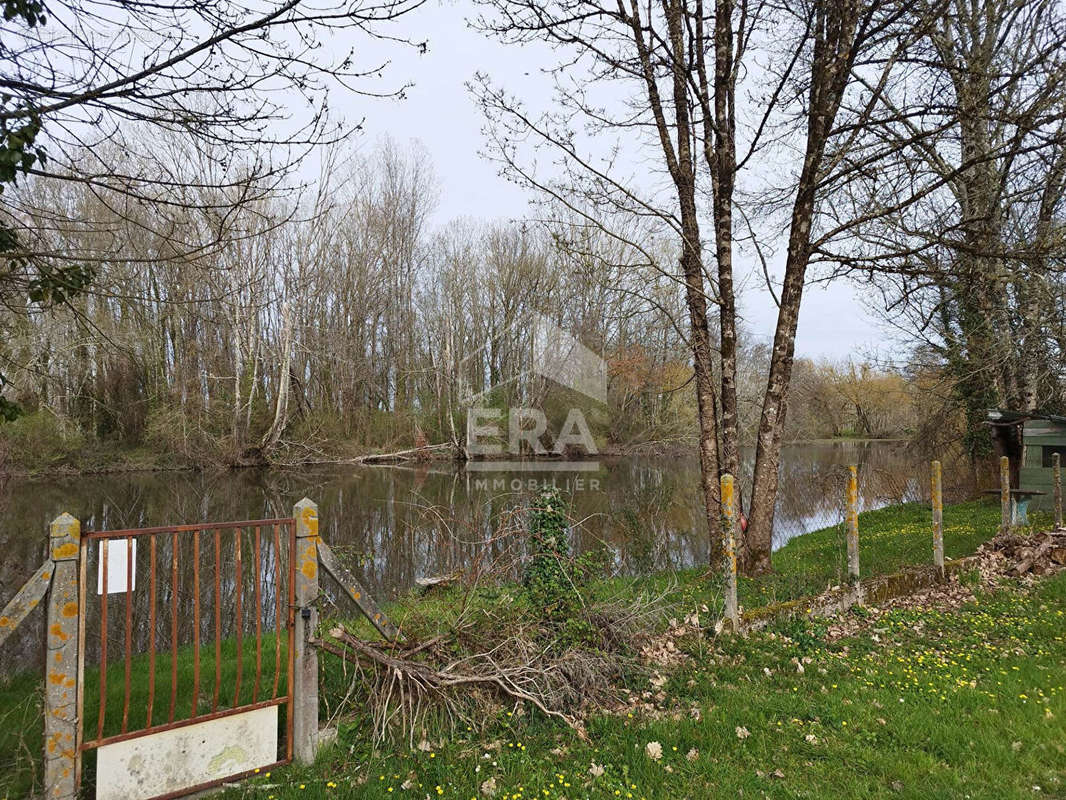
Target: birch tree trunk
x=281 y=405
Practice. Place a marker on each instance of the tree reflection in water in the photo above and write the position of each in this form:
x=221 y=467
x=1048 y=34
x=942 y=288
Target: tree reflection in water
x=395 y=524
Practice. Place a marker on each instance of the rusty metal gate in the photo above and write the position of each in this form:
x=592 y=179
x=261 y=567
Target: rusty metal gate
x=201 y=619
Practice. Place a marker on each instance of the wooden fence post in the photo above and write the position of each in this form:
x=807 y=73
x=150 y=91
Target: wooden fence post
x=1056 y=468
x=851 y=498
x=1004 y=494
x=729 y=536
x=62 y=759
x=938 y=518
x=305 y=689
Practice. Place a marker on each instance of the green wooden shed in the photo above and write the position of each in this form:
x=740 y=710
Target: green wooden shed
x=1030 y=440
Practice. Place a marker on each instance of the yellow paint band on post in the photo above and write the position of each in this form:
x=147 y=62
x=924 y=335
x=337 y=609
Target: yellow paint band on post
x=729 y=530
x=851 y=498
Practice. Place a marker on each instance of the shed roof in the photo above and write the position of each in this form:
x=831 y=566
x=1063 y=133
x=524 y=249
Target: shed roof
x=999 y=416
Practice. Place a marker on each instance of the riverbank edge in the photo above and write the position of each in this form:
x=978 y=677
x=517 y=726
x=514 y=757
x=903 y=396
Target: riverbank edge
x=439 y=605
x=135 y=461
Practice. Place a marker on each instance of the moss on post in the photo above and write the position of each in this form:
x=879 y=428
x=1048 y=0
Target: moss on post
x=305 y=665
x=851 y=498
x=62 y=759
x=938 y=517
x=25 y=600
x=729 y=546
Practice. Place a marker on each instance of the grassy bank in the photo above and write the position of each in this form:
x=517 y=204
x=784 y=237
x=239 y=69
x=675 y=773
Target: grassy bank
x=724 y=681
x=967 y=703
x=926 y=703
x=889 y=540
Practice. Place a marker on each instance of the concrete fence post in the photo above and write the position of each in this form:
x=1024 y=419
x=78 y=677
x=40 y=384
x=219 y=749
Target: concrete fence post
x=1056 y=468
x=1004 y=494
x=305 y=664
x=851 y=499
x=729 y=546
x=62 y=759
x=938 y=518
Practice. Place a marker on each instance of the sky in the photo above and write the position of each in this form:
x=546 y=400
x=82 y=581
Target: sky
x=440 y=113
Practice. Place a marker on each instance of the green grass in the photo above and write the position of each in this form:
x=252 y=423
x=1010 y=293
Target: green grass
x=21 y=701
x=21 y=733
x=966 y=703
x=890 y=539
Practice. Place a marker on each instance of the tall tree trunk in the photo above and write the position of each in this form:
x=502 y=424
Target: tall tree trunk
x=281 y=405
x=759 y=536
x=835 y=26
x=719 y=152
x=703 y=366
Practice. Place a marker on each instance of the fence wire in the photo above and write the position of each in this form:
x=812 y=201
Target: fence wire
x=811 y=496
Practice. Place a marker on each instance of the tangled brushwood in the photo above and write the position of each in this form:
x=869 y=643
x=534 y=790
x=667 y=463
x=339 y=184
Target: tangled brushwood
x=548 y=647
x=466 y=677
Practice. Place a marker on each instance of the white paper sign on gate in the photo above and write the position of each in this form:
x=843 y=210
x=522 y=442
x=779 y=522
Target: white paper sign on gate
x=116 y=566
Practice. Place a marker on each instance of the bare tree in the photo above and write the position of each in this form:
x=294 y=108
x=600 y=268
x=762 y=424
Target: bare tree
x=680 y=66
x=960 y=223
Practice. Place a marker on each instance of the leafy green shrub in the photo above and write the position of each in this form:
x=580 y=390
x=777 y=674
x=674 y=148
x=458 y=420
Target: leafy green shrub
x=591 y=565
x=548 y=577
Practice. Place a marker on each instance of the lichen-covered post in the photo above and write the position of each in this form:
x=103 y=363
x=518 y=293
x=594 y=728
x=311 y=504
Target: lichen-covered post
x=1004 y=494
x=305 y=665
x=1056 y=469
x=729 y=546
x=851 y=498
x=61 y=752
x=938 y=518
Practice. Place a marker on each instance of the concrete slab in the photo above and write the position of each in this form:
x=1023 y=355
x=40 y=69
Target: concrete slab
x=177 y=759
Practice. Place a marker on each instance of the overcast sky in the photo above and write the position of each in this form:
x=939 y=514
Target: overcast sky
x=440 y=113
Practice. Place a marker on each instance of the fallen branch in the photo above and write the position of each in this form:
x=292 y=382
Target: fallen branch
x=401 y=455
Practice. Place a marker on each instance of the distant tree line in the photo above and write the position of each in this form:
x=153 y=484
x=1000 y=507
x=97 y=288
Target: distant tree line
x=342 y=322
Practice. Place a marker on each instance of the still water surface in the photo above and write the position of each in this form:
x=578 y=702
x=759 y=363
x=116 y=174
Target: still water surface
x=394 y=525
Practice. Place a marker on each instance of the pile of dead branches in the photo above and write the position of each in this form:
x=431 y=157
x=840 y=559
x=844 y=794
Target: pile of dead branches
x=490 y=660
x=1037 y=554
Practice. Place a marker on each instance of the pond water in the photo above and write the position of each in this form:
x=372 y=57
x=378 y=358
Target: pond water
x=393 y=525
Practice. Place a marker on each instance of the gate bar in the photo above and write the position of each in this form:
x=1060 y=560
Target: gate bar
x=103 y=645
x=240 y=598
x=117 y=534
x=258 y=616
x=195 y=623
x=218 y=619
x=151 y=632
x=173 y=625
x=183 y=723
